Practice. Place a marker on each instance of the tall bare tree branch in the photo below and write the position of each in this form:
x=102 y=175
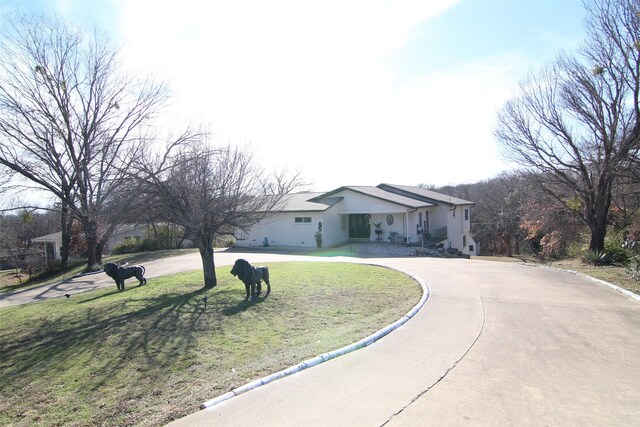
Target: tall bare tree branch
x=576 y=123
x=210 y=191
x=70 y=121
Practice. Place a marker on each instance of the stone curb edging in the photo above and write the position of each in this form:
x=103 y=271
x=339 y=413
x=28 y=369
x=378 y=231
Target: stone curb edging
x=327 y=356
x=600 y=281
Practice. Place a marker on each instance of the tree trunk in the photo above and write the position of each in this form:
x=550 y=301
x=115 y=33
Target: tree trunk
x=596 y=244
x=507 y=243
x=91 y=239
x=99 y=250
x=66 y=220
x=208 y=264
x=599 y=214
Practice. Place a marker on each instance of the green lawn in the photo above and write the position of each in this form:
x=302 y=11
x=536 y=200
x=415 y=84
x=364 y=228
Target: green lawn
x=152 y=354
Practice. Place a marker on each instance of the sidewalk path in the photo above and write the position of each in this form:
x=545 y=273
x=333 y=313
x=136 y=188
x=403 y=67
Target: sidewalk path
x=495 y=344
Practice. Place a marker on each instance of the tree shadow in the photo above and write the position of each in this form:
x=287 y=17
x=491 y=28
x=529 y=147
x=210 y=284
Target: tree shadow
x=147 y=328
x=106 y=294
x=243 y=305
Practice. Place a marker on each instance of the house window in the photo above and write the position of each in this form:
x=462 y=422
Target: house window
x=303 y=220
x=464 y=241
x=466 y=214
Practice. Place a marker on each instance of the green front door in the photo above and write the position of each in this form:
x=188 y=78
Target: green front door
x=359 y=226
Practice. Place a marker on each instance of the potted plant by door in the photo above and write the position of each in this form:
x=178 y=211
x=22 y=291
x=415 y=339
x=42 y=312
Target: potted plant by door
x=318 y=235
x=378 y=231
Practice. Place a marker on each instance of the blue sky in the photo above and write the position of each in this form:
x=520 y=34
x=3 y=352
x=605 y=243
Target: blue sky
x=346 y=92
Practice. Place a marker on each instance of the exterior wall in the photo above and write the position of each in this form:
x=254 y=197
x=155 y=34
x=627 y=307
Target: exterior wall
x=459 y=228
x=55 y=243
x=335 y=228
x=52 y=248
x=438 y=218
x=281 y=230
x=57 y=250
x=398 y=225
x=357 y=203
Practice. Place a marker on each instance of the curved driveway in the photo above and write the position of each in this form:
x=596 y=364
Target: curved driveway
x=495 y=344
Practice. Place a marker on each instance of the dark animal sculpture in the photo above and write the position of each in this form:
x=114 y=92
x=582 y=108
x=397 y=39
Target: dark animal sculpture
x=120 y=274
x=252 y=278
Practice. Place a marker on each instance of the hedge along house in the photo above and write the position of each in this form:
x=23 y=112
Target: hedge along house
x=394 y=214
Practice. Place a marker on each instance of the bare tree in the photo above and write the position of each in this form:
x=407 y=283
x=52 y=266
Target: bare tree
x=70 y=122
x=210 y=191
x=576 y=124
x=5 y=177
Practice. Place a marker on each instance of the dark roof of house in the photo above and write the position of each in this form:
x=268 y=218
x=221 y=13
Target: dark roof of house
x=380 y=194
x=402 y=195
x=53 y=237
x=57 y=236
x=305 y=202
x=424 y=194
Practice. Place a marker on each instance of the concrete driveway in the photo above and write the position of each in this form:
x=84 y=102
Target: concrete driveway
x=495 y=344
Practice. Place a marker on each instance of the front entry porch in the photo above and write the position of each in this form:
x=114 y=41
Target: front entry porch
x=359 y=227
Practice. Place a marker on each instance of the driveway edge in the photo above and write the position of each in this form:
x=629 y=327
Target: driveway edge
x=314 y=361
x=600 y=281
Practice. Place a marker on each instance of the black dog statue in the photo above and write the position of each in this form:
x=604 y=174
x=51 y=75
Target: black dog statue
x=252 y=278
x=120 y=274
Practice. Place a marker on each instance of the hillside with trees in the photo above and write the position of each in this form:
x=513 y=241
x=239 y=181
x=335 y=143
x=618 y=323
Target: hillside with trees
x=573 y=130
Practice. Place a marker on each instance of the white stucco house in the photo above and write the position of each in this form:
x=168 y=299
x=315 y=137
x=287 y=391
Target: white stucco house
x=402 y=214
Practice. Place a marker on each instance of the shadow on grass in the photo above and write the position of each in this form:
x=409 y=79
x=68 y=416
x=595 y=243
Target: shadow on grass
x=104 y=295
x=148 y=331
x=152 y=330
x=242 y=306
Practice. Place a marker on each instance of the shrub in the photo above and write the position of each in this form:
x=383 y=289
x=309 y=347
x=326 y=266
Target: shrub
x=595 y=258
x=616 y=250
x=155 y=238
x=576 y=249
x=128 y=246
x=633 y=268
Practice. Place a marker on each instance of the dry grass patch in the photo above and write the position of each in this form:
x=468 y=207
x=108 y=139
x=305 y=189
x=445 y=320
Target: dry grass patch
x=611 y=273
